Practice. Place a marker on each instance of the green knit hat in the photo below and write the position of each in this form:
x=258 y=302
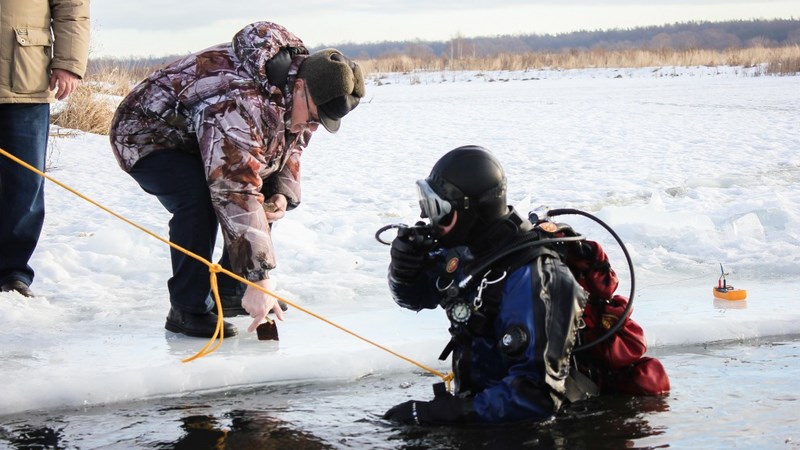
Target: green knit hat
x=336 y=85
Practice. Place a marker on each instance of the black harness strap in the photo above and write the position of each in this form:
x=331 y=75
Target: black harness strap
x=481 y=320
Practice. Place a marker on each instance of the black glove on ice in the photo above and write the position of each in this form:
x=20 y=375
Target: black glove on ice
x=408 y=259
x=443 y=409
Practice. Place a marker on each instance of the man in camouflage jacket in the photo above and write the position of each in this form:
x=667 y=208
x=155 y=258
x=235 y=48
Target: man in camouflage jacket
x=217 y=137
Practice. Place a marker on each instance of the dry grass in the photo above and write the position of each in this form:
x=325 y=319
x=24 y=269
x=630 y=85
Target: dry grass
x=83 y=111
x=91 y=107
x=778 y=60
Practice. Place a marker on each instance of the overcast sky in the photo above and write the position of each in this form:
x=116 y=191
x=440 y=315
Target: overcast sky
x=165 y=27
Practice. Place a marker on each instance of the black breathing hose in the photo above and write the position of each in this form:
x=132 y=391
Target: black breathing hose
x=627 y=312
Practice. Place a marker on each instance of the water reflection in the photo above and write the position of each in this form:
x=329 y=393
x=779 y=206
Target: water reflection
x=30 y=437
x=183 y=347
x=729 y=304
x=241 y=429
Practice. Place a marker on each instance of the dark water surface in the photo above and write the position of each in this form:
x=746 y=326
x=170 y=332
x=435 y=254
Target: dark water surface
x=725 y=395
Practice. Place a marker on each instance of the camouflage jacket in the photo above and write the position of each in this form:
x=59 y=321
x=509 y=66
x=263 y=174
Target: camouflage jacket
x=220 y=104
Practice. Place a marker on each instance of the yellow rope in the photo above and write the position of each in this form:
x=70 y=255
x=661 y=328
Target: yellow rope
x=219 y=330
x=214 y=269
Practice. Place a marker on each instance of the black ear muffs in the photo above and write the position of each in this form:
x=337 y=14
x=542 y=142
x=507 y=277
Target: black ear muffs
x=277 y=68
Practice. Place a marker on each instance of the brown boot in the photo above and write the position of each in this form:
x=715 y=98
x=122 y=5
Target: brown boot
x=17 y=286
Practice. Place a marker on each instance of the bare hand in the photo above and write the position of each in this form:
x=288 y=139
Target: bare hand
x=275 y=207
x=259 y=304
x=65 y=81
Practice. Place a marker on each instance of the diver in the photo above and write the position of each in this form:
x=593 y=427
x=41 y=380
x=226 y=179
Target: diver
x=515 y=307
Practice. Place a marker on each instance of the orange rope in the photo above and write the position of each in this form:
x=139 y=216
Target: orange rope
x=214 y=269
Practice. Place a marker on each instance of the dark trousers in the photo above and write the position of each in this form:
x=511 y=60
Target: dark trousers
x=178 y=180
x=24 y=128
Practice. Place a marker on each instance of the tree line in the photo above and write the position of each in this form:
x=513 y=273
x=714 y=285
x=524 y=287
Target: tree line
x=678 y=36
x=675 y=37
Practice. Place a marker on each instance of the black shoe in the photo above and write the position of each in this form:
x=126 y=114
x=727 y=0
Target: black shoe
x=196 y=325
x=17 y=286
x=232 y=306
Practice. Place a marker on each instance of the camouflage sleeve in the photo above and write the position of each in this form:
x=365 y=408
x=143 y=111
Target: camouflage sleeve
x=233 y=155
x=287 y=180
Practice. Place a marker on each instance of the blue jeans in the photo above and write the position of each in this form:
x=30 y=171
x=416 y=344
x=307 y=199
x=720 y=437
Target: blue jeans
x=178 y=180
x=24 y=128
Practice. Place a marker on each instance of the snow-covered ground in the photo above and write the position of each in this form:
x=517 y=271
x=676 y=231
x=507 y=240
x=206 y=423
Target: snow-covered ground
x=692 y=167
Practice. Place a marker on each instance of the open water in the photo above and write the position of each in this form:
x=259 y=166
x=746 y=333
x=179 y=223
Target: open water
x=724 y=395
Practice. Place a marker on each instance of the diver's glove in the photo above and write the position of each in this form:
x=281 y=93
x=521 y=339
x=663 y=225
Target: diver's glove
x=443 y=409
x=408 y=259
